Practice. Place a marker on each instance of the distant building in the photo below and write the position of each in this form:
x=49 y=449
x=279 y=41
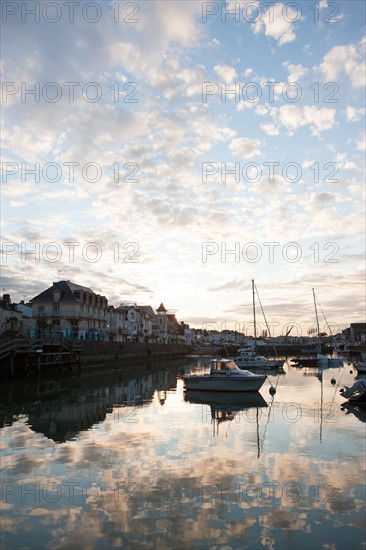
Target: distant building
x=357 y=333
x=10 y=317
x=72 y=310
x=160 y=327
x=147 y=322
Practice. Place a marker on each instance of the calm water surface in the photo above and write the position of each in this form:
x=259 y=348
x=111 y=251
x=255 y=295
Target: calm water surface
x=126 y=460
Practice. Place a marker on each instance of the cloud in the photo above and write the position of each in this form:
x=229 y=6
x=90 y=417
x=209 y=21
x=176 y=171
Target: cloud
x=345 y=59
x=277 y=23
x=244 y=148
x=294 y=116
x=270 y=129
x=353 y=114
x=295 y=71
x=225 y=73
x=361 y=143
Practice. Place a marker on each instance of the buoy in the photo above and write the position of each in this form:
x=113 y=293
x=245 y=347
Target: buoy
x=333 y=381
x=351 y=371
x=272 y=390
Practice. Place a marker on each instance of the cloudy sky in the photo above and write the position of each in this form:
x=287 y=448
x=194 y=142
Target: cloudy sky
x=173 y=151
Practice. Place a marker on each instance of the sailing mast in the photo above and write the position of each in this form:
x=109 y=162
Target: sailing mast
x=317 y=324
x=255 y=326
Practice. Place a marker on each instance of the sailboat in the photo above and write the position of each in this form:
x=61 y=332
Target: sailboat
x=318 y=360
x=248 y=359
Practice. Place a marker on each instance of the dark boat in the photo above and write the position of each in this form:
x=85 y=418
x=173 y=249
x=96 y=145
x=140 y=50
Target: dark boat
x=356 y=393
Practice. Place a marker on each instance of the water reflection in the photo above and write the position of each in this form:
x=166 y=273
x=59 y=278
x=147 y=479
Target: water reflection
x=61 y=408
x=226 y=407
x=126 y=460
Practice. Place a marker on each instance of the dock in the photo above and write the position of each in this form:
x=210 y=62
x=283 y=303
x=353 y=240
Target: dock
x=21 y=358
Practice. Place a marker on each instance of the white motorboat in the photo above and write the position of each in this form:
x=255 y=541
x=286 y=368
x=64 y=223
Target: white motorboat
x=244 y=361
x=224 y=375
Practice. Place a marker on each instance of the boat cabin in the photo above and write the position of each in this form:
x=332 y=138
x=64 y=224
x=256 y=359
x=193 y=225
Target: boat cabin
x=223 y=366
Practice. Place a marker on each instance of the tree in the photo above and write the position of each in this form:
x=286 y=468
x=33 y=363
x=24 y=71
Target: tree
x=13 y=322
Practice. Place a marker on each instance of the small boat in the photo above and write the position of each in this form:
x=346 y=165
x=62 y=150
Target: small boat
x=224 y=375
x=356 y=393
x=256 y=361
x=361 y=366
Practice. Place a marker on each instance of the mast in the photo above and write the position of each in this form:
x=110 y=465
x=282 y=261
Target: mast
x=317 y=323
x=255 y=326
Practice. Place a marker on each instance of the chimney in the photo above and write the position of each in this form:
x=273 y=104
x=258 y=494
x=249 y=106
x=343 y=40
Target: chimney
x=6 y=298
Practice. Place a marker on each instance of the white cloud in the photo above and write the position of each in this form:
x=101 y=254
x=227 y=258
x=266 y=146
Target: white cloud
x=277 y=22
x=293 y=117
x=225 y=73
x=353 y=114
x=244 y=148
x=15 y=204
x=270 y=129
x=350 y=166
x=295 y=71
x=361 y=143
x=194 y=78
x=347 y=59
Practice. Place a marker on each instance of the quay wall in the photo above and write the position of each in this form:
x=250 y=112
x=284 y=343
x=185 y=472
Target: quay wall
x=107 y=352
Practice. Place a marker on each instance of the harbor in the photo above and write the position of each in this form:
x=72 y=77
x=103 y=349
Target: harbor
x=125 y=457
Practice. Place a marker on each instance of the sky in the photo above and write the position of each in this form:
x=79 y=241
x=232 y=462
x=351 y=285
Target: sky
x=174 y=151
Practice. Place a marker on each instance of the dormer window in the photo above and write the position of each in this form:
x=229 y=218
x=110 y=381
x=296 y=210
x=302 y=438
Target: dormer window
x=56 y=295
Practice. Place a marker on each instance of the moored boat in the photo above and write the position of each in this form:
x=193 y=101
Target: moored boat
x=319 y=360
x=361 y=366
x=356 y=393
x=224 y=375
x=244 y=361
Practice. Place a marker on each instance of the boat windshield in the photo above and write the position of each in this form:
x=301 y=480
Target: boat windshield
x=224 y=365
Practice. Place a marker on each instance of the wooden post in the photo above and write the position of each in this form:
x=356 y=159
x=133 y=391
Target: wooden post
x=11 y=367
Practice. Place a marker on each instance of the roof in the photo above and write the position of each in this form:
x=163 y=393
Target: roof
x=147 y=310
x=161 y=308
x=67 y=288
x=8 y=307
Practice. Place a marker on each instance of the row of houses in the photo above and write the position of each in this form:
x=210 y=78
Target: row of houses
x=77 y=312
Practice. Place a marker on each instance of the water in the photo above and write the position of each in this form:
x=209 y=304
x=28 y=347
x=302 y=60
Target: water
x=122 y=460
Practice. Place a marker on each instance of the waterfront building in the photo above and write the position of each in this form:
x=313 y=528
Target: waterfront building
x=10 y=317
x=160 y=325
x=73 y=310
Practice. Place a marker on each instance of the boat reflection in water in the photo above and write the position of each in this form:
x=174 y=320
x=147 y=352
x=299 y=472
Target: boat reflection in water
x=226 y=406
x=358 y=409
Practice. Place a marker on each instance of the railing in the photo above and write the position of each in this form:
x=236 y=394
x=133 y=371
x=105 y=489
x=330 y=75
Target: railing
x=7 y=348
